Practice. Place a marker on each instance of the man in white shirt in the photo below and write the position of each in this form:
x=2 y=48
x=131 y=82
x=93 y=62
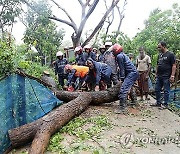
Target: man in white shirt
x=143 y=64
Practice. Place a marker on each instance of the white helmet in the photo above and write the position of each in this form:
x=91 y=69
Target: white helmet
x=87 y=46
x=59 y=53
x=102 y=47
x=108 y=43
x=78 y=48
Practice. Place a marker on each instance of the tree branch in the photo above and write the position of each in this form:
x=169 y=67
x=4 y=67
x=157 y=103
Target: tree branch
x=114 y=3
x=83 y=7
x=72 y=21
x=121 y=17
x=109 y=21
x=83 y=21
x=63 y=21
x=80 y=2
x=52 y=17
x=91 y=9
x=96 y=37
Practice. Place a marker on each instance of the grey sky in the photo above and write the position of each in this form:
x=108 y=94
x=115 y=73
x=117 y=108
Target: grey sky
x=135 y=14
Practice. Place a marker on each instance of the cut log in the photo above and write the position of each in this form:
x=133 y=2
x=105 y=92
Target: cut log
x=41 y=130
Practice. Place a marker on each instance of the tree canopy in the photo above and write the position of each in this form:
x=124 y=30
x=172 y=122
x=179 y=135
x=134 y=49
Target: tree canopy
x=42 y=33
x=160 y=26
x=10 y=9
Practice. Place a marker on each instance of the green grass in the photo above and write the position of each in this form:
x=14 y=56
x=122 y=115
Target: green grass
x=174 y=109
x=83 y=129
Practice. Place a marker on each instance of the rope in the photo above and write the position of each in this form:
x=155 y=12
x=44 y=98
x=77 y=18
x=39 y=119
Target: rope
x=34 y=93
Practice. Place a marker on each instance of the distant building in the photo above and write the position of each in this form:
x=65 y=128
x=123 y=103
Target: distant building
x=69 y=54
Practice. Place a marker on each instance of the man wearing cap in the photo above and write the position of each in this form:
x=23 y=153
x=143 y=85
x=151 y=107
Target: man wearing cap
x=109 y=59
x=80 y=57
x=59 y=67
x=89 y=53
x=102 y=50
x=95 y=50
x=108 y=45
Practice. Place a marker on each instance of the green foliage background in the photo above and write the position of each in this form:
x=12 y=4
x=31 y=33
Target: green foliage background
x=160 y=26
x=6 y=58
x=41 y=32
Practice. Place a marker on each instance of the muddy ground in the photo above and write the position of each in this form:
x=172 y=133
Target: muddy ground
x=146 y=130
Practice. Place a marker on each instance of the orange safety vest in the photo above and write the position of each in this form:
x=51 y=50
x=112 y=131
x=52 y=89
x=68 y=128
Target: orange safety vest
x=81 y=71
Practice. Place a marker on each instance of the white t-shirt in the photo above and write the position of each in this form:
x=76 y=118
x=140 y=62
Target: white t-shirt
x=143 y=63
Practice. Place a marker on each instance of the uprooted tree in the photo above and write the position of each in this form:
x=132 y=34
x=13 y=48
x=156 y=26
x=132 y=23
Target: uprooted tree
x=40 y=131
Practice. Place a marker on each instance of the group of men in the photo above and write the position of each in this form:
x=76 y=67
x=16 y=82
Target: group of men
x=112 y=65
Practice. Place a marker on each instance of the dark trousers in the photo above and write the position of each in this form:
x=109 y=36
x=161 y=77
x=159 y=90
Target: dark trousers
x=91 y=81
x=160 y=83
x=61 y=78
x=127 y=84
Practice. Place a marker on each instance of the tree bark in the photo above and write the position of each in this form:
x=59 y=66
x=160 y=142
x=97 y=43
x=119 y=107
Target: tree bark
x=98 y=97
x=41 y=130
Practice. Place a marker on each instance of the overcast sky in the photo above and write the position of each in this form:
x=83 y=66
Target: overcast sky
x=136 y=12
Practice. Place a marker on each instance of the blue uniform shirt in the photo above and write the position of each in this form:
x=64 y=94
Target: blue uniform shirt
x=59 y=66
x=80 y=59
x=91 y=55
x=101 y=70
x=125 y=65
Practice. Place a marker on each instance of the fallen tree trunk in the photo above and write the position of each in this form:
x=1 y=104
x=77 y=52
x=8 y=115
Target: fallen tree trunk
x=98 y=97
x=43 y=128
x=40 y=130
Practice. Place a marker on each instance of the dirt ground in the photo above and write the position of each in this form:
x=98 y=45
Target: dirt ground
x=147 y=130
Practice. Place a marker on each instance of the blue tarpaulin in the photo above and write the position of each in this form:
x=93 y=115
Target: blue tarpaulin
x=175 y=97
x=22 y=100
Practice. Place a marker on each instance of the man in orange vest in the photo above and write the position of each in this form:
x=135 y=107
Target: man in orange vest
x=76 y=76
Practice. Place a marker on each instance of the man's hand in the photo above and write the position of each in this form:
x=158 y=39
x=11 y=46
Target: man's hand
x=70 y=88
x=147 y=77
x=122 y=79
x=171 y=78
x=65 y=87
x=97 y=88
